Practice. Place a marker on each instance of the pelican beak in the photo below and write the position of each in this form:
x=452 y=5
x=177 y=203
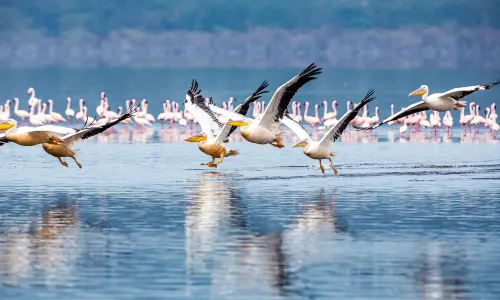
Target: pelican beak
x=237 y=123
x=6 y=126
x=418 y=92
x=300 y=144
x=196 y=138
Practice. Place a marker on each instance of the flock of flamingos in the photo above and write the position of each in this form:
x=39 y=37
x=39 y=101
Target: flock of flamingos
x=411 y=127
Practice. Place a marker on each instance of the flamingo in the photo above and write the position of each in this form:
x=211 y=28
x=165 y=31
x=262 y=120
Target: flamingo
x=5 y=115
x=448 y=121
x=109 y=114
x=390 y=123
x=375 y=119
x=79 y=114
x=181 y=121
x=435 y=121
x=331 y=115
x=48 y=117
x=70 y=113
x=404 y=128
x=170 y=114
x=313 y=121
x=424 y=122
x=86 y=118
x=55 y=115
x=32 y=100
x=294 y=110
x=150 y=117
x=22 y=114
x=493 y=114
x=33 y=119
x=468 y=119
x=39 y=115
x=298 y=116
x=162 y=117
x=100 y=108
x=119 y=112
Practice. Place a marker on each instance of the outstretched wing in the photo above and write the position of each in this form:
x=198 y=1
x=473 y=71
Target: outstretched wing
x=195 y=104
x=243 y=108
x=91 y=129
x=412 y=109
x=294 y=126
x=279 y=102
x=336 y=131
x=462 y=92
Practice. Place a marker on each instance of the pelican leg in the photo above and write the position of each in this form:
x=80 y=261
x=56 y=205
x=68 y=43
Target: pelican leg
x=63 y=162
x=333 y=167
x=220 y=160
x=209 y=163
x=278 y=143
x=76 y=161
x=321 y=167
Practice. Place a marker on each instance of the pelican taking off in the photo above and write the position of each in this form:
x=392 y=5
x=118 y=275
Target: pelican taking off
x=263 y=131
x=211 y=142
x=449 y=100
x=61 y=147
x=321 y=149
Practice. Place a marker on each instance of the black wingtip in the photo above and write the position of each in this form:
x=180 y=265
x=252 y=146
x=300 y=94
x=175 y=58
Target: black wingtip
x=357 y=127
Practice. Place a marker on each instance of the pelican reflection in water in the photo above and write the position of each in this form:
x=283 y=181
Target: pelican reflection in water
x=238 y=256
x=47 y=251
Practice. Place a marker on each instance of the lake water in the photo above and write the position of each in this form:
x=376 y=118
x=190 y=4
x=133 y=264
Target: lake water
x=143 y=220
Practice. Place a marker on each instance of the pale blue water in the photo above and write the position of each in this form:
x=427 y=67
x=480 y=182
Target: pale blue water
x=143 y=220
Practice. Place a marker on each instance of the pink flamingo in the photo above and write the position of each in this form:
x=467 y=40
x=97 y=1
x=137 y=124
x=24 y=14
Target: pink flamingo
x=79 y=114
x=298 y=117
x=70 y=113
x=313 y=121
x=329 y=115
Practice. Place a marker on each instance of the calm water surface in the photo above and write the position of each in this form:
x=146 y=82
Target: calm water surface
x=143 y=220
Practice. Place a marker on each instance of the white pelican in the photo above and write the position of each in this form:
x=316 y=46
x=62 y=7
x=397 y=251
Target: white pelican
x=321 y=149
x=29 y=136
x=441 y=102
x=263 y=131
x=61 y=147
x=211 y=142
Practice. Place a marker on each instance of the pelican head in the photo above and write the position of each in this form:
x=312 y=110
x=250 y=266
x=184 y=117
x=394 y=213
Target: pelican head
x=420 y=91
x=196 y=138
x=302 y=143
x=8 y=124
x=237 y=123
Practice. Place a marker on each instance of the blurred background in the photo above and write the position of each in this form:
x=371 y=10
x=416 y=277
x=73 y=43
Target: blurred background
x=153 y=48
x=250 y=34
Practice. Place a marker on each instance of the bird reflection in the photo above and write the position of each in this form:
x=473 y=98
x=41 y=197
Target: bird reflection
x=46 y=250
x=239 y=257
x=442 y=272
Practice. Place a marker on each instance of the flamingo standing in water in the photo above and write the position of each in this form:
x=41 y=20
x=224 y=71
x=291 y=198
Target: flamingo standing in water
x=33 y=118
x=448 y=121
x=79 y=114
x=147 y=116
x=404 y=128
x=390 y=123
x=48 y=117
x=70 y=113
x=22 y=114
x=6 y=111
x=33 y=100
x=313 y=121
x=162 y=117
x=87 y=119
x=329 y=115
x=424 y=122
x=375 y=119
x=55 y=115
x=298 y=116
x=100 y=108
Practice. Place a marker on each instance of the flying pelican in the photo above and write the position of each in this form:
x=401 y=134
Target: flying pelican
x=449 y=100
x=263 y=131
x=28 y=136
x=61 y=147
x=211 y=142
x=321 y=149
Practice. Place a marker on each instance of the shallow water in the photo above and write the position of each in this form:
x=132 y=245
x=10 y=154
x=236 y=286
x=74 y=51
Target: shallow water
x=142 y=219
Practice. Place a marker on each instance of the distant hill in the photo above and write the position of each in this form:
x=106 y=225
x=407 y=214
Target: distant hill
x=100 y=17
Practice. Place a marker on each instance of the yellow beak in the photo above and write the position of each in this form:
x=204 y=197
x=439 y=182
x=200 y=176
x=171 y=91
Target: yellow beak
x=6 y=126
x=196 y=138
x=418 y=92
x=237 y=123
x=300 y=144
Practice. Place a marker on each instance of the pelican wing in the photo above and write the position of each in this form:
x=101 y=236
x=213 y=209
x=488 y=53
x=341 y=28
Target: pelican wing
x=412 y=109
x=234 y=116
x=3 y=139
x=279 y=102
x=336 y=131
x=94 y=129
x=462 y=92
x=243 y=108
x=195 y=104
x=298 y=129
